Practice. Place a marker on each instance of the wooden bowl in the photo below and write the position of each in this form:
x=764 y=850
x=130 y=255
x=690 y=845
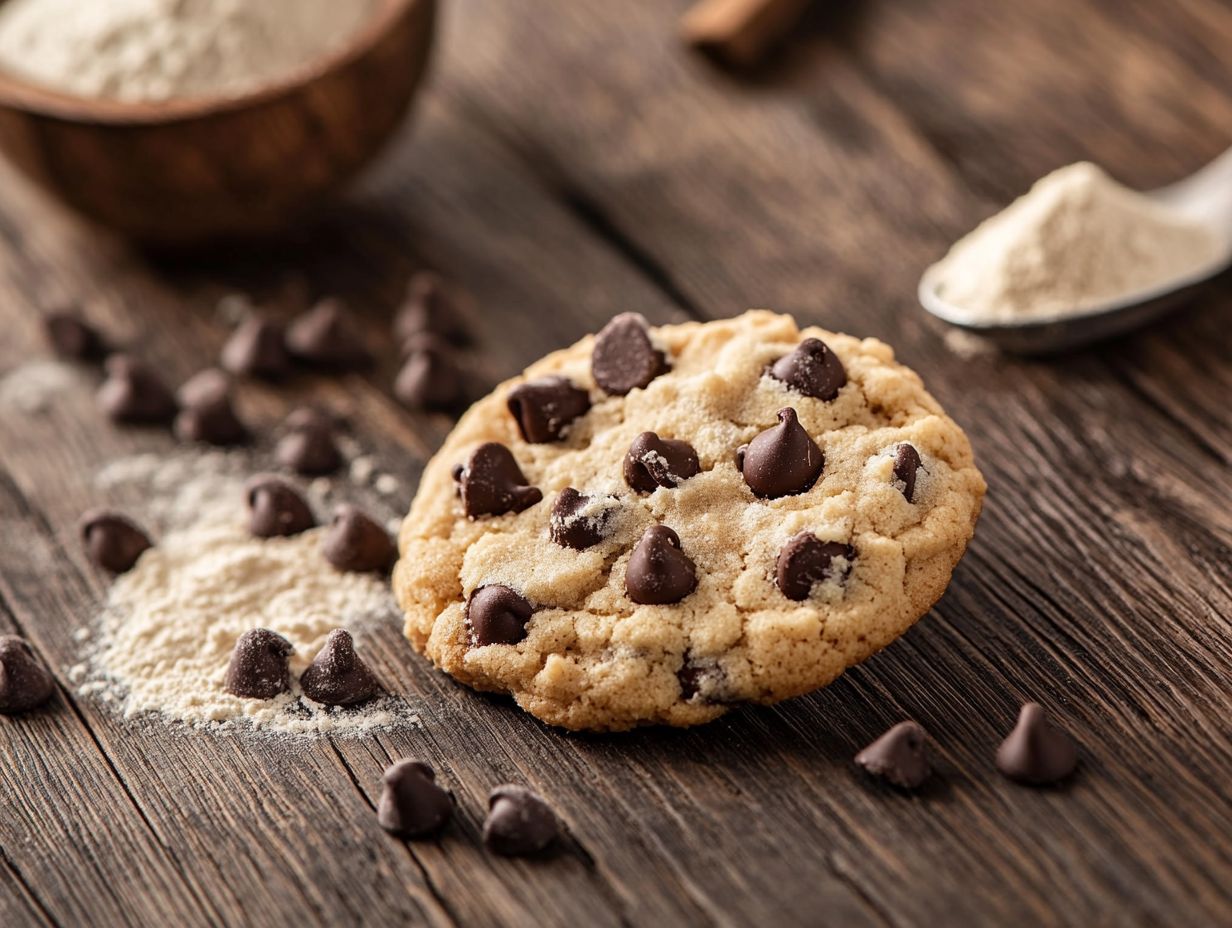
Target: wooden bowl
x=181 y=172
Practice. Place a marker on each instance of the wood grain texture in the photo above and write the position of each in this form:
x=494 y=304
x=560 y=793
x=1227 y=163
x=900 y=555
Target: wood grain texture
x=570 y=173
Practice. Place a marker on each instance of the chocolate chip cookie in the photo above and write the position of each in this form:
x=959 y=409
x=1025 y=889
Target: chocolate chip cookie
x=657 y=524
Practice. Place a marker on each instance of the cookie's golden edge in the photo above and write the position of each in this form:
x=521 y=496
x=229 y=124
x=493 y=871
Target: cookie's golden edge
x=929 y=580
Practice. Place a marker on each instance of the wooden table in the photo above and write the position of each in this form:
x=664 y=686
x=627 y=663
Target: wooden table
x=571 y=161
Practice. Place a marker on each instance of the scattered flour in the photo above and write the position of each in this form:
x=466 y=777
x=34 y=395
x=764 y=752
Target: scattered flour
x=160 y=49
x=1077 y=239
x=33 y=387
x=164 y=639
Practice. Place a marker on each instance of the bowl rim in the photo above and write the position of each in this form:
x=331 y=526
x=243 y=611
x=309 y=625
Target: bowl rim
x=41 y=100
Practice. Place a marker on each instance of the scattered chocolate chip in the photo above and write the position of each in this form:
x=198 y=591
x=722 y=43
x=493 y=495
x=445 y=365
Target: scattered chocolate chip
x=497 y=615
x=652 y=462
x=429 y=378
x=308 y=446
x=324 y=336
x=113 y=542
x=133 y=393
x=805 y=561
x=1036 y=751
x=782 y=460
x=257 y=348
x=412 y=805
x=429 y=307
x=72 y=338
x=519 y=822
x=545 y=408
x=303 y=418
x=493 y=484
x=659 y=573
x=25 y=683
x=258 y=668
x=812 y=369
x=571 y=526
x=624 y=358
x=898 y=756
x=276 y=508
x=906 y=463
x=207 y=413
x=356 y=543
x=338 y=676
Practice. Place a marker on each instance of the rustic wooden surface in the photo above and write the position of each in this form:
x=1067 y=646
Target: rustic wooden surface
x=571 y=161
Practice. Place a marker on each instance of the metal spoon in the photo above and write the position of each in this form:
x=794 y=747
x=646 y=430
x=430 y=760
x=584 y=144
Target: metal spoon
x=1204 y=197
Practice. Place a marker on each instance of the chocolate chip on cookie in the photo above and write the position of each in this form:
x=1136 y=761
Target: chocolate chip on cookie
x=133 y=393
x=429 y=378
x=906 y=464
x=338 y=676
x=356 y=543
x=496 y=614
x=493 y=484
x=574 y=521
x=113 y=542
x=25 y=683
x=805 y=561
x=659 y=573
x=519 y=822
x=276 y=508
x=812 y=369
x=257 y=348
x=624 y=358
x=308 y=446
x=898 y=756
x=258 y=667
x=324 y=336
x=412 y=805
x=1036 y=751
x=72 y=338
x=781 y=461
x=654 y=462
x=207 y=413
x=545 y=408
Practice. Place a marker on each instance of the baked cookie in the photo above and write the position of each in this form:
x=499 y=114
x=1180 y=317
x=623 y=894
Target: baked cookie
x=659 y=523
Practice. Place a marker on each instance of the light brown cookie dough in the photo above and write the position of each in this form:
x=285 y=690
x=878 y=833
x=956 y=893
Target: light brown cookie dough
x=593 y=658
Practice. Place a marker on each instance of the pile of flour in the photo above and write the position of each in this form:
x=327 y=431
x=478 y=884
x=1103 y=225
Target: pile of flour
x=1077 y=239
x=162 y=49
x=163 y=641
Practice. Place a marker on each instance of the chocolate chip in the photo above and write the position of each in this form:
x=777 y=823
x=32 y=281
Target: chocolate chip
x=805 y=561
x=72 y=338
x=308 y=447
x=659 y=573
x=356 y=543
x=546 y=407
x=572 y=526
x=429 y=378
x=133 y=393
x=782 y=460
x=258 y=668
x=324 y=336
x=652 y=462
x=412 y=805
x=25 y=683
x=497 y=615
x=898 y=756
x=206 y=411
x=430 y=307
x=113 y=542
x=812 y=369
x=1036 y=751
x=906 y=463
x=519 y=822
x=276 y=508
x=624 y=358
x=257 y=348
x=338 y=676
x=493 y=484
